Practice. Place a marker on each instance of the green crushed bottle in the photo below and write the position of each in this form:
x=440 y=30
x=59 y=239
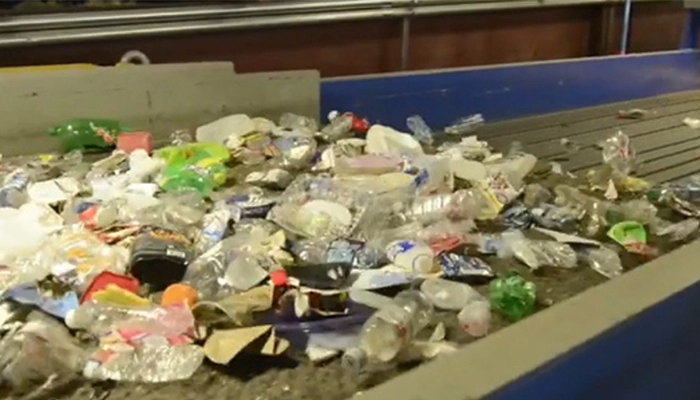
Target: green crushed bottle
x=195 y=166
x=88 y=134
x=512 y=296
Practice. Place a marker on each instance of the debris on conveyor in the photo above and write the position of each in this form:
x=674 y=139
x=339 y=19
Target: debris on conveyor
x=259 y=237
x=692 y=123
x=633 y=113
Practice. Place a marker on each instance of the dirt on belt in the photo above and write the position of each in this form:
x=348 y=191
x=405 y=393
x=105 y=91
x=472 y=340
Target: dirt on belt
x=294 y=378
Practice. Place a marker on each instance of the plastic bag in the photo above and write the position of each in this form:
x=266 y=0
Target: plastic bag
x=39 y=352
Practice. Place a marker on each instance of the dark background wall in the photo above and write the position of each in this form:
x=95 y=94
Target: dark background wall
x=374 y=46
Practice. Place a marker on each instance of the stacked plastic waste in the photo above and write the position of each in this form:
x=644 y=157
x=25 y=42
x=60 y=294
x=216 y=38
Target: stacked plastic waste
x=256 y=236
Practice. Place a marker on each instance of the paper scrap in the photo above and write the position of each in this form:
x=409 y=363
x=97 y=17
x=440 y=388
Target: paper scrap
x=224 y=345
x=236 y=309
x=319 y=354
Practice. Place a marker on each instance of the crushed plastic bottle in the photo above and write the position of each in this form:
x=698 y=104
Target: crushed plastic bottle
x=390 y=329
x=603 y=260
x=449 y=295
x=537 y=253
x=88 y=134
x=14 y=189
x=512 y=296
x=462 y=204
x=214 y=226
x=298 y=123
x=339 y=127
x=474 y=311
x=234 y=264
x=421 y=131
x=619 y=153
x=196 y=166
x=465 y=125
x=680 y=230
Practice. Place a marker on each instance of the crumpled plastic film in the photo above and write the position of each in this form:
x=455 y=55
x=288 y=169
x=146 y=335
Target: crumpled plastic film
x=157 y=362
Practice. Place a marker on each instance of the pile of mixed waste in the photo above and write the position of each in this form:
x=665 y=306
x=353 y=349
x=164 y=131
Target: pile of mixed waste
x=277 y=239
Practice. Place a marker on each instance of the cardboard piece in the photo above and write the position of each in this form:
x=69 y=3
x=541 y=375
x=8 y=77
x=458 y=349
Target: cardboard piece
x=224 y=345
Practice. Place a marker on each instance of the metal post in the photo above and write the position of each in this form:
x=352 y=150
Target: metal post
x=626 y=27
x=405 y=41
x=406 y=34
x=689 y=40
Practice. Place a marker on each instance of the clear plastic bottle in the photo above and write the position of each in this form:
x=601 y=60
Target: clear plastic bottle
x=339 y=127
x=389 y=329
x=474 y=310
x=14 y=189
x=465 y=125
x=603 y=260
x=299 y=123
x=421 y=131
x=449 y=295
x=462 y=204
x=214 y=226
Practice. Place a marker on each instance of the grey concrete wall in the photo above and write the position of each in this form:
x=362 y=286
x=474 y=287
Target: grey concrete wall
x=156 y=98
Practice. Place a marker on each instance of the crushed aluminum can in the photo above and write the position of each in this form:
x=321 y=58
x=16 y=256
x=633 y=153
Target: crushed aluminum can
x=249 y=206
x=517 y=216
x=557 y=218
x=454 y=265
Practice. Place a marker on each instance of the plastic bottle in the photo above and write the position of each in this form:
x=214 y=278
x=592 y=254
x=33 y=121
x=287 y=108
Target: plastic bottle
x=619 y=153
x=465 y=125
x=203 y=171
x=474 y=310
x=512 y=296
x=14 y=190
x=680 y=230
x=475 y=318
x=462 y=204
x=88 y=134
x=214 y=226
x=224 y=268
x=338 y=128
x=299 y=123
x=603 y=260
x=421 y=131
x=219 y=131
x=389 y=329
x=449 y=295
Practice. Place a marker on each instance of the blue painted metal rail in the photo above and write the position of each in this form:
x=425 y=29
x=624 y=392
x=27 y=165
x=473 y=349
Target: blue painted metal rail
x=649 y=351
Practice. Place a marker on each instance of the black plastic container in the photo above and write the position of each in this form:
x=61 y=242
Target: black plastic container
x=160 y=258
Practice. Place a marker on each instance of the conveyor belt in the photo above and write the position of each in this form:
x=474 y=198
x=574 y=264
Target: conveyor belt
x=666 y=148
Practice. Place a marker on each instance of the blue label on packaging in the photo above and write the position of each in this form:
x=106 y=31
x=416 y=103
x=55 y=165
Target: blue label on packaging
x=399 y=248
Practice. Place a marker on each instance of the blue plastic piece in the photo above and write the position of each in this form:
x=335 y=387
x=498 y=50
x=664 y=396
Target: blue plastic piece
x=691 y=30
